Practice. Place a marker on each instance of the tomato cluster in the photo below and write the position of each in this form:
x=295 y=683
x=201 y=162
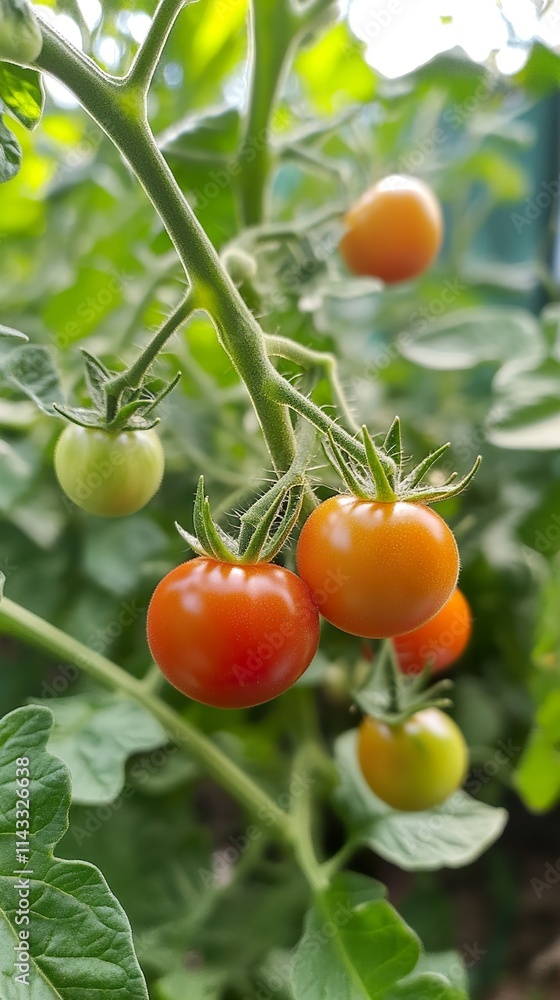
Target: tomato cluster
x=233 y=630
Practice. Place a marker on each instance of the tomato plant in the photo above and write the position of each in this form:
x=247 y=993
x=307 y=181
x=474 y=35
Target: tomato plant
x=377 y=569
x=394 y=231
x=185 y=243
x=232 y=636
x=108 y=474
x=441 y=641
x=416 y=764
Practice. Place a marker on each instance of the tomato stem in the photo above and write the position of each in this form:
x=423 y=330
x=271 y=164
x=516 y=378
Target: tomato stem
x=133 y=376
x=30 y=628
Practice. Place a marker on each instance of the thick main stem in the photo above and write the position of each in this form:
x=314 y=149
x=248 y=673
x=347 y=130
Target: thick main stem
x=213 y=290
x=273 y=30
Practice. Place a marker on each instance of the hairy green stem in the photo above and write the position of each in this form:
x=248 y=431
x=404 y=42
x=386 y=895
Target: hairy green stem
x=283 y=392
x=149 y=54
x=305 y=357
x=133 y=376
x=273 y=32
x=213 y=290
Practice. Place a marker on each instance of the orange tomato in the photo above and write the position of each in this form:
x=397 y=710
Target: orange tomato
x=377 y=569
x=440 y=641
x=395 y=230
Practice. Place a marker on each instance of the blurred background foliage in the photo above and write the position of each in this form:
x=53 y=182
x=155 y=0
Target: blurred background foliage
x=470 y=353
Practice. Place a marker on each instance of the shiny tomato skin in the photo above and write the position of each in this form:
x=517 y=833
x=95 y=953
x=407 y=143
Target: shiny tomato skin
x=441 y=641
x=395 y=230
x=377 y=569
x=416 y=764
x=110 y=475
x=232 y=636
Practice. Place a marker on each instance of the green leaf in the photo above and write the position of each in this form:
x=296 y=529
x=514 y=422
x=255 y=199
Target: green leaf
x=32 y=370
x=468 y=337
x=21 y=39
x=526 y=406
x=445 y=963
x=349 y=952
x=7 y=331
x=451 y=835
x=10 y=153
x=81 y=939
x=196 y=985
x=430 y=985
x=205 y=138
x=22 y=94
x=96 y=376
x=541 y=72
x=538 y=777
x=152 y=854
x=94 y=734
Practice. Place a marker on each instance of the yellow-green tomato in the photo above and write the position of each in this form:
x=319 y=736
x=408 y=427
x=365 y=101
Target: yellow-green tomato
x=416 y=764
x=110 y=475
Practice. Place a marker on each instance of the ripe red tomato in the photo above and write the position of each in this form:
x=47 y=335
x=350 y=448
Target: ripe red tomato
x=395 y=230
x=416 y=764
x=232 y=636
x=377 y=569
x=440 y=641
x=110 y=475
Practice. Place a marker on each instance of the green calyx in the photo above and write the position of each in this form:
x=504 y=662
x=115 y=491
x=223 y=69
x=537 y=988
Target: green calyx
x=381 y=476
x=393 y=697
x=117 y=403
x=264 y=527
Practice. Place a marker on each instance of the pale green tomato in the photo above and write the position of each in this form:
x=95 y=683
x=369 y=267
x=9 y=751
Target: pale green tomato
x=110 y=475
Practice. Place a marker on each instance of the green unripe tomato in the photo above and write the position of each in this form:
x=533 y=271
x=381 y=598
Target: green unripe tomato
x=415 y=764
x=21 y=39
x=110 y=475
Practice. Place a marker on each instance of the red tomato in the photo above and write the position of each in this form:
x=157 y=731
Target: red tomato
x=377 y=569
x=232 y=636
x=440 y=641
x=394 y=232
x=415 y=764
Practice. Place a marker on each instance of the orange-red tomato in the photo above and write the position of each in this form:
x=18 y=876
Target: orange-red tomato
x=416 y=764
x=395 y=230
x=440 y=641
x=377 y=569
x=232 y=636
